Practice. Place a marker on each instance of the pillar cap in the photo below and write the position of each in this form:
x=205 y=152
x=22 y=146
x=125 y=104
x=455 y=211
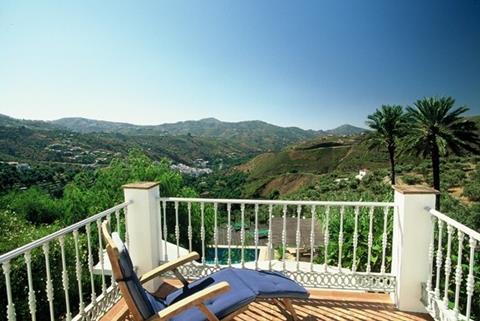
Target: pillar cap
x=140 y=185
x=415 y=189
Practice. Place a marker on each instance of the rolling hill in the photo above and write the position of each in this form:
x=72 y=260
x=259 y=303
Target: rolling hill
x=302 y=164
x=253 y=135
x=62 y=146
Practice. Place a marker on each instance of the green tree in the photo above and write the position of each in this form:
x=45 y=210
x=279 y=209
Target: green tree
x=388 y=125
x=436 y=128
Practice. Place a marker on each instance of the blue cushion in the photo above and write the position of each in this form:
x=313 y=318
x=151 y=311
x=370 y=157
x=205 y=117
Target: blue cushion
x=237 y=297
x=268 y=284
x=245 y=286
x=137 y=292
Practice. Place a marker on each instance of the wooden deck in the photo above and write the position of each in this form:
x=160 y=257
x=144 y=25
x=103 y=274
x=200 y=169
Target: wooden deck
x=322 y=305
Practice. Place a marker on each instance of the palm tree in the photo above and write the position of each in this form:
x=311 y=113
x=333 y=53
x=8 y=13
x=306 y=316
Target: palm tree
x=436 y=128
x=388 y=126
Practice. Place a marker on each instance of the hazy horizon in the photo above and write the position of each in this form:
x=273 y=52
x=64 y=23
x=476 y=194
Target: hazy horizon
x=309 y=64
x=185 y=120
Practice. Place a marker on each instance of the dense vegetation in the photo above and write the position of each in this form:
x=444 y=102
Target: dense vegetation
x=30 y=214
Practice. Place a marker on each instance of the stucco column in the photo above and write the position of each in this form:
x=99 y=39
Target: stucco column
x=142 y=228
x=412 y=232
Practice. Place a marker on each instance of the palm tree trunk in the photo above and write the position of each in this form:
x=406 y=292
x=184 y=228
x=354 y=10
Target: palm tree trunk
x=391 y=153
x=436 y=172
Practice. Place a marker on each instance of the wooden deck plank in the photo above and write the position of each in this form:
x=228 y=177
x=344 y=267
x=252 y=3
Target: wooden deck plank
x=323 y=305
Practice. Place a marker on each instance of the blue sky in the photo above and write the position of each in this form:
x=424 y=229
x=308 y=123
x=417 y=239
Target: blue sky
x=312 y=64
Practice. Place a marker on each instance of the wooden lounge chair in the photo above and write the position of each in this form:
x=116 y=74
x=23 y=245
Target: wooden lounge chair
x=219 y=296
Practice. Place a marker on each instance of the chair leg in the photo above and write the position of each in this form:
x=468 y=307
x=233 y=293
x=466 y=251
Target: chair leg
x=290 y=308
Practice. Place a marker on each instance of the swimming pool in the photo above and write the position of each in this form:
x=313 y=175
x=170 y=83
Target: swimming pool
x=235 y=255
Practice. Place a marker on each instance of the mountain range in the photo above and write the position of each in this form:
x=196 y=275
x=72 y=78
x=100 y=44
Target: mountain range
x=209 y=127
x=80 y=140
x=257 y=134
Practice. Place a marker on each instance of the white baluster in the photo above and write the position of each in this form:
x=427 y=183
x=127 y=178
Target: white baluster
x=270 y=239
x=189 y=230
x=384 y=238
x=326 y=236
x=127 y=237
x=117 y=220
x=256 y=237
x=11 y=315
x=177 y=230
x=242 y=234
x=340 y=239
x=370 y=239
x=61 y=240
x=312 y=235
x=160 y=232
x=90 y=264
x=229 y=233
x=431 y=251
x=100 y=256
x=284 y=237
x=458 y=272
x=32 y=301
x=470 y=278
x=448 y=263
x=109 y=220
x=439 y=260
x=78 y=271
x=355 y=240
x=165 y=230
x=298 y=235
x=215 y=231
x=49 y=285
x=202 y=230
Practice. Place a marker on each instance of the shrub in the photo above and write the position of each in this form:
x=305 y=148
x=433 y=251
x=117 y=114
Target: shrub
x=411 y=179
x=34 y=205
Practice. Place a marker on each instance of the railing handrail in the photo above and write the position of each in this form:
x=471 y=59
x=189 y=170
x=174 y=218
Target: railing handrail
x=459 y=226
x=275 y=202
x=32 y=245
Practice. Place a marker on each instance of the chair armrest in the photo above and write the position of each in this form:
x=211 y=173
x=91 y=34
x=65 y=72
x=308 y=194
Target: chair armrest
x=193 y=300
x=171 y=265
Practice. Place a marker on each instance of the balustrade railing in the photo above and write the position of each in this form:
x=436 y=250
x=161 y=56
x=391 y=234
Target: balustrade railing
x=344 y=245
x=320 y=244
x=454 y=270
x=54 y=277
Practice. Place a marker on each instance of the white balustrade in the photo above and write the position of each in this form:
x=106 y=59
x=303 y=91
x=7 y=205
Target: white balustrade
x=57 y=247
x=271 y=235
x=443 y=307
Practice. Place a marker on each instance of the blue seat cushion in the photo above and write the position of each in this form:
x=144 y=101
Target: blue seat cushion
x=237 y=297
x=269 y=284
x=245 y=286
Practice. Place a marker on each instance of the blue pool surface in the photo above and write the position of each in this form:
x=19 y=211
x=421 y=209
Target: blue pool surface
x=234 y=252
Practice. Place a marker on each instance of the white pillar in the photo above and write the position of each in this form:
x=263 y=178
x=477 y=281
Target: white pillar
x=143 y=222
x=412 y=232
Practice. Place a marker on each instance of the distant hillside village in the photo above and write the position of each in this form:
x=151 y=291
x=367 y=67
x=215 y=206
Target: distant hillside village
x=199 y=168
x=76 y=154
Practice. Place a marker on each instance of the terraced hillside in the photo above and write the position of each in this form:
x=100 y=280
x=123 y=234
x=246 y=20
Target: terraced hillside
x=301 y=165
x=29 y=144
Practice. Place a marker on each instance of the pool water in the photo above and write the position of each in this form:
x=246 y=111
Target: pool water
x=235 y=254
